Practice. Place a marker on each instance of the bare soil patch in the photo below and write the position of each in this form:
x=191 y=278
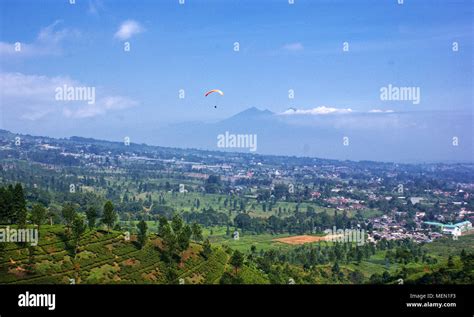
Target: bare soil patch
x=301 y=239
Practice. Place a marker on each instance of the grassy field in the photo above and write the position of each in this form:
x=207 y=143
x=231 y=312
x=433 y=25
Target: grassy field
x=445 y=247
x=185 y=202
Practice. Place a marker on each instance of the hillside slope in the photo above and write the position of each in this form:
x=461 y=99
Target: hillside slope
x=106 y=257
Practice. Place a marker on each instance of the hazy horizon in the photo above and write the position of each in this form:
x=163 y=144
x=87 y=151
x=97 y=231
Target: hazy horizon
x=326 y=70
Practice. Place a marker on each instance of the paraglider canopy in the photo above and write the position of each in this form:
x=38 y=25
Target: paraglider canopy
x=214 y=90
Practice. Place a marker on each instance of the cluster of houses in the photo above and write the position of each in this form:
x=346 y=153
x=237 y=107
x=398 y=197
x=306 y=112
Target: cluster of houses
x=387 y=227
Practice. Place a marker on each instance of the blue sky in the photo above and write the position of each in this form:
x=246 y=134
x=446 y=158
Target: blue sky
x=190 y=47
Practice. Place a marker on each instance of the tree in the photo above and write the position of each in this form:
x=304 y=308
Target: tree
x=213 y=184
x=280 y=191
x=109 y=216
x=253 y=249
x=467 y=260
x=176 y=224
x=183 y=237
x=68 y=213
x=385 y=277
x=168 y=237
x=243 y=221
x=197 y=232
x=38 y=215
x=356 y=277
x=375 y=278
x=19 y=205
x=228 y=278
x=171 y=275
x=463 y=254
x=142 y=230
x=176 y=236
x=450 y=262
x=163 y=227
x=237 y=260
x=6 y=205
x=91 y=214
x=206 y=249
x=78 y=228
x=335 y=270
x=3 y=206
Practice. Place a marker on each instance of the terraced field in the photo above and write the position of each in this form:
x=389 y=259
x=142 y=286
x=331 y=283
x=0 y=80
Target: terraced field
x=104 y=257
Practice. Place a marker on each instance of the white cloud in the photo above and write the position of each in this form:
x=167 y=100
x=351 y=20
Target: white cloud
x=316 y=111
x=51 y=34
x=323 y=110
x=32 y=97
x=380 y=111
x=293 y=47
x=47 y=42
x=103 y=105
x=128 y=29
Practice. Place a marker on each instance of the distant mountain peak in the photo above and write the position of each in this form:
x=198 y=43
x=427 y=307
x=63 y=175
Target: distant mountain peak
x=252 y=112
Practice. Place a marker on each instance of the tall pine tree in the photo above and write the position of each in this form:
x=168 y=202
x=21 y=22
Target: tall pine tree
x=19 y=206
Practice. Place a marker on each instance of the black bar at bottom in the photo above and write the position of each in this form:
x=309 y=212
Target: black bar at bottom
x=443 y=300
